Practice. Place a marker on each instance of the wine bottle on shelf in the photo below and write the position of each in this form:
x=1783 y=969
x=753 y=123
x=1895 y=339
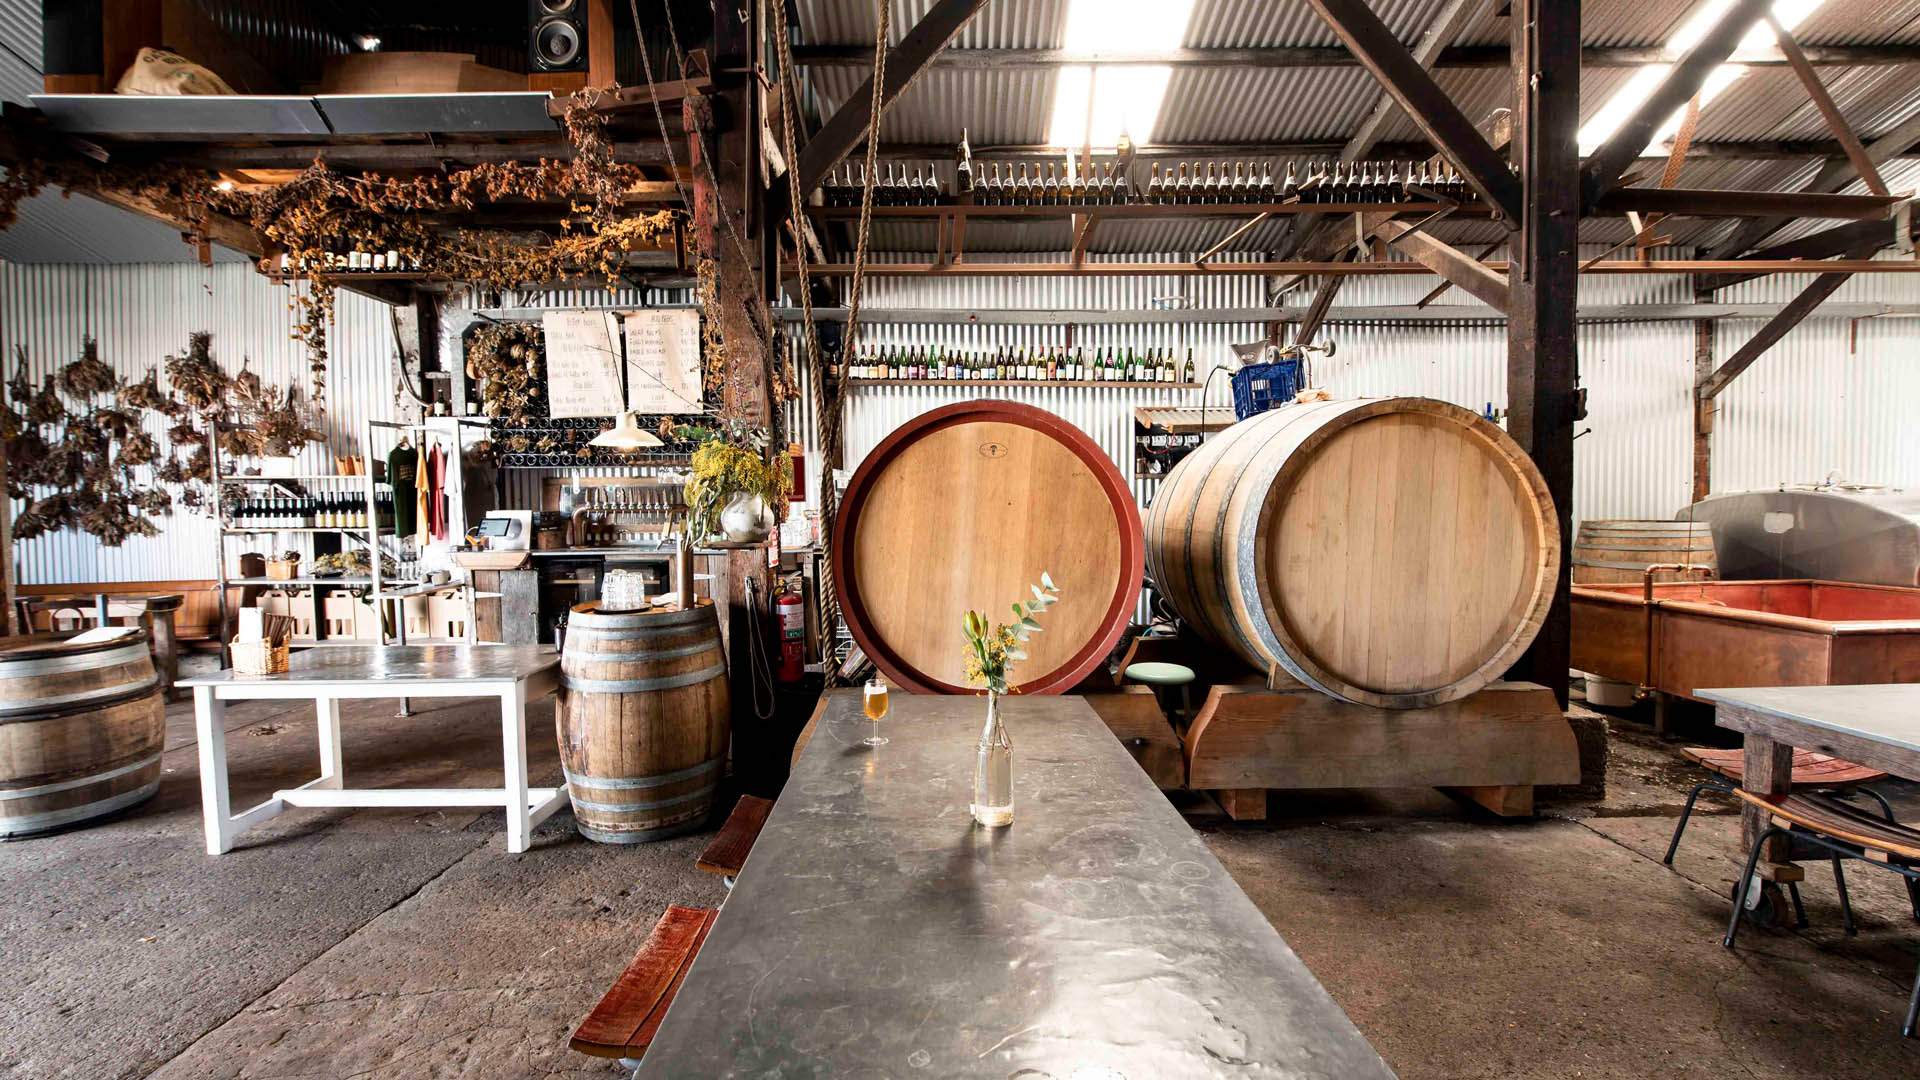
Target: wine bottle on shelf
x=1180 y=190
x=1167 y=374
x=1154 y=192
x=1187 y=373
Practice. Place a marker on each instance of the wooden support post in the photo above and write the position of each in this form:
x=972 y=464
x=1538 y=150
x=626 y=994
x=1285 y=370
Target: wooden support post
x=1542 y=367
x=1702 y=410
x=6 y=553
x=721 y=162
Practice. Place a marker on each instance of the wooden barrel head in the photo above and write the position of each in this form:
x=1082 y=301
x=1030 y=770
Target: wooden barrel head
x=1407 y=546
x=965 y=507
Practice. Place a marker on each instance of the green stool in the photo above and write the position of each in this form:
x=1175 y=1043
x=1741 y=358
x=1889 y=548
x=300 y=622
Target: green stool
x=1163 y=677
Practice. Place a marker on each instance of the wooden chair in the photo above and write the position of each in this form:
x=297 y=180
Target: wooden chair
x=727 y=854
x=1811 y=772
x=1846 y=832
x=628 y=1016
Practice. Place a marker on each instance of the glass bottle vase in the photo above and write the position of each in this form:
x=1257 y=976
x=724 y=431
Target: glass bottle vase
x=993 y=771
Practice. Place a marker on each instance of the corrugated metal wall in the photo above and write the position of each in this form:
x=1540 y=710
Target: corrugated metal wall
x=1831 y=396
x=142 y=312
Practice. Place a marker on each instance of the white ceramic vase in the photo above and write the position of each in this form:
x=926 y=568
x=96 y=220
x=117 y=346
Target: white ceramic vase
x=746 y=519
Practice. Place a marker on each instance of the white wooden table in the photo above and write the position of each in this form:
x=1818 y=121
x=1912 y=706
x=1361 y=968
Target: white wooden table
x=514 y=674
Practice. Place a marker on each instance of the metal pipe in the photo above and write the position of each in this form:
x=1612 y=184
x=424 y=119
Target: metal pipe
x=1652 y=653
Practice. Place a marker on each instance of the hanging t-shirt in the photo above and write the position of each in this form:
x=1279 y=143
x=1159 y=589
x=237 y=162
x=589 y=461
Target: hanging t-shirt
x=402 y=469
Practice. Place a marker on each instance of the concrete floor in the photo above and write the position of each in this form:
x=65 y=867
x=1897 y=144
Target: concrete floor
x=409 y=944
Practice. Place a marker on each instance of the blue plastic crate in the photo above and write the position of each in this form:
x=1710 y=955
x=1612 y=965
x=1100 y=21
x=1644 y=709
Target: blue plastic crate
x=1259 y=387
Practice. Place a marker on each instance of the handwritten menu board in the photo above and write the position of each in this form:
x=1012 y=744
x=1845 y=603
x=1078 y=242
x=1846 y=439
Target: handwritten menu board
x=663 y=361
x=583 y=364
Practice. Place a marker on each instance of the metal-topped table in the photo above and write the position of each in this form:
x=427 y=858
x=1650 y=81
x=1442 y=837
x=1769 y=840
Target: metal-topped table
x=876 y=931
x=1875 y=724
x=515 y=674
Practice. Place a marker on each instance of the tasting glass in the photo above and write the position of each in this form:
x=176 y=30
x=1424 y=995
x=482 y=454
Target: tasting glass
x=875 y=702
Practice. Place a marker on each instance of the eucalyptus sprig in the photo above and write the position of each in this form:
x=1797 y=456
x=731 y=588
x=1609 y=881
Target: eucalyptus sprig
x=993 y=650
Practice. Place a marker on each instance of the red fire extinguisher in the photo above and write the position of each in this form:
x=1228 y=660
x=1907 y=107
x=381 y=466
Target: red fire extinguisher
x=792 y=614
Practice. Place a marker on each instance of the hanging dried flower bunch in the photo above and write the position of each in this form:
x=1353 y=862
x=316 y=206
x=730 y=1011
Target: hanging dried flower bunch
x=80 y=454
x=322 y=212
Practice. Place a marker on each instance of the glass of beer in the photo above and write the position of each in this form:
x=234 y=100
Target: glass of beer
x=876 y=709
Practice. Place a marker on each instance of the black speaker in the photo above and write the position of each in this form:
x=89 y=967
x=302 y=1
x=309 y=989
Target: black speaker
x=557 y=35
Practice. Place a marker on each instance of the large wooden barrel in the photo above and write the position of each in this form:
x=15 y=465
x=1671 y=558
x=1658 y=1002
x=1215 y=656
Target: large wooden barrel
x=1611 y=551
x=1396 y=552
x=82 y=724
x=965 y=507
x=642 y=720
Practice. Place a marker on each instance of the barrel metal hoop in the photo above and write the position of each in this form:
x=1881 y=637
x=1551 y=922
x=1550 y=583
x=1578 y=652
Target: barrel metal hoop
x=100 y=697
x=620 y=808
x=627 y=622
x=640 y=836
x=635 y=686
x=26 y=823
x=58 y=665
x=631 y=783
x=1667 y=528
x=64 y=785
x=708 y=645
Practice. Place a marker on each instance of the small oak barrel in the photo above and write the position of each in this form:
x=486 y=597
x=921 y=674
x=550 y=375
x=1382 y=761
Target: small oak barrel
x=642 y=720
x=1395 y=552
x=82 y=724
x=1620 y=550
x=965 y=507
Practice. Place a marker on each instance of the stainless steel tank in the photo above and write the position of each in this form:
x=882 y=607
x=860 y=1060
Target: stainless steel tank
x=1829 y=532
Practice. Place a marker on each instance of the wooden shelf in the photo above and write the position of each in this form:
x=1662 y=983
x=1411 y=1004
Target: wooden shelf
x=243 y=530
x=297 y=478
x=1025 y=382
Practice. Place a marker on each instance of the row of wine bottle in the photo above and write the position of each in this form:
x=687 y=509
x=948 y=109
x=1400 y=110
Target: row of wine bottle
x=308 y=512
x=1005 y=184
x=1056 y=364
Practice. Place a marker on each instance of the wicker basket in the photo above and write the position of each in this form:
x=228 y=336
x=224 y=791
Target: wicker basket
x=283 y=569
x=259 y=657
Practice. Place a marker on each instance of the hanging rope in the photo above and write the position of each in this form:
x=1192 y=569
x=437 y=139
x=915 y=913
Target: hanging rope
x=827 y=413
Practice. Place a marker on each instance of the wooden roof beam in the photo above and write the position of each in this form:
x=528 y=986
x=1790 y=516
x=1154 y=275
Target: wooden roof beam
x=1604 y=167
x=1826 y=244
x=1777 y=327
x=1834 y=176
x=847 y=127
x=1428 y=106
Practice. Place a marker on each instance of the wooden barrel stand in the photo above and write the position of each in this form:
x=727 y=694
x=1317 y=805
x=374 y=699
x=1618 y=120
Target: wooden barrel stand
x=642 y=720
x=82 y=726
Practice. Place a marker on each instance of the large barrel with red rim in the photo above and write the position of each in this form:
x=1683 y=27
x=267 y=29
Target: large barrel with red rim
x=965 y=507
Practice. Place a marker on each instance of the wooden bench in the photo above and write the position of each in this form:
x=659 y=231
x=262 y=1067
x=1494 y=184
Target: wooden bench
x=728 y=851
x=629 y=1014
x=1846 y=831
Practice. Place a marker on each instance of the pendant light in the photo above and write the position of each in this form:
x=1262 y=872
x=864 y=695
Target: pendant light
x=626 y=434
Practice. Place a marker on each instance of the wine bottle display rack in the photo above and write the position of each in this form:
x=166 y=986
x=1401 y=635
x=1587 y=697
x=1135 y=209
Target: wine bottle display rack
x=1109 y=183
x=546 y=443
x=1060 y=365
